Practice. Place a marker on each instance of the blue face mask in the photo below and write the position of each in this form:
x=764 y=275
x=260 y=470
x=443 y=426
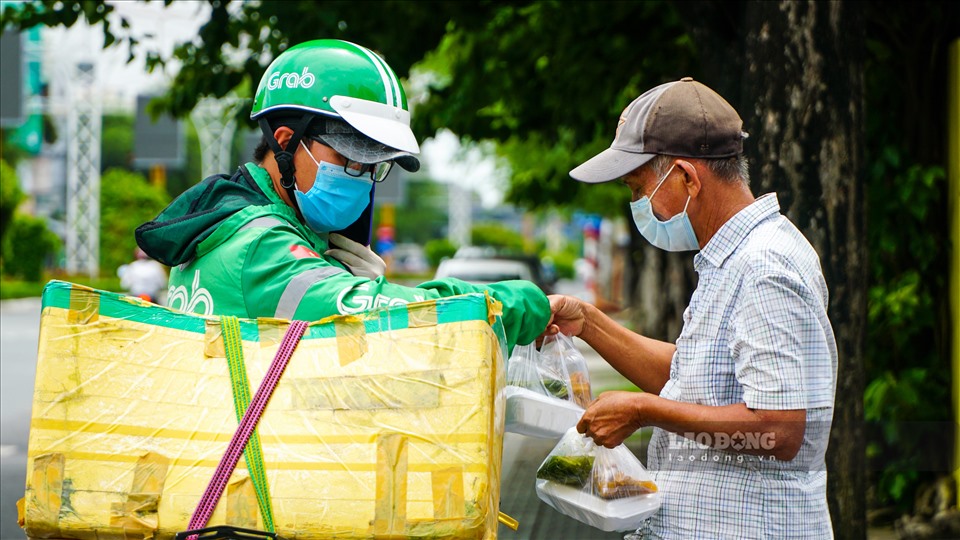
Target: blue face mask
x=675 y=234
x=336 y=199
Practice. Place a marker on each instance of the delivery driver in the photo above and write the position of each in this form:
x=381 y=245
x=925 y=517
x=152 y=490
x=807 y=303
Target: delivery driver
x=335 y=120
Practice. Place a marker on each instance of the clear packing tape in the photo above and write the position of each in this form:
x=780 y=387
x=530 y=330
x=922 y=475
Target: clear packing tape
x=386 y=424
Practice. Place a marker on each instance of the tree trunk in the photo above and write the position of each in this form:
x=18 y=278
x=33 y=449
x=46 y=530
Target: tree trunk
x=801 y=98
x=802 y=102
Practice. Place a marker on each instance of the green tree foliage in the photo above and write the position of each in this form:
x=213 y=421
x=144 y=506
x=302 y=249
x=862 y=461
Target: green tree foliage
x=11 y=151
x=207 y=64
x=27 y=246
x=562 y=263
x=181 y=179
x=498 y=236
x=117 y=151
x=536 y=77
x=423 y=216
x=10 y=196
x=126 y=201
x=26 y=243
x=438 y=250
x=907 y=398
x=53 y=13
x=116 y=142
x=531 y=74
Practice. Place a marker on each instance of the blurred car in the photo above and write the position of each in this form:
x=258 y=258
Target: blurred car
x=408 y=259
x=483 y=267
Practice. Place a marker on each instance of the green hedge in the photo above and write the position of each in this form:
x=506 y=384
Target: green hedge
x=26 y=246
x=10 y=196
x=11 y=289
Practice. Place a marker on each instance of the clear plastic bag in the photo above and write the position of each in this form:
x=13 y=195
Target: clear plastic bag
x=563 y=362
x=618 y=474
x=543 y=398
x=606 y=488
x=523 y=369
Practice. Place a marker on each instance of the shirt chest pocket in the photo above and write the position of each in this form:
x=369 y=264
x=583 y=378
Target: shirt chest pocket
x=704 y=316
x=705 y=372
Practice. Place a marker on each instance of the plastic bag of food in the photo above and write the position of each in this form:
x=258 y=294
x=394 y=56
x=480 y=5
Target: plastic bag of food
x=565 y=370
x=537 y=394
x=606 y=488
x=523 y=369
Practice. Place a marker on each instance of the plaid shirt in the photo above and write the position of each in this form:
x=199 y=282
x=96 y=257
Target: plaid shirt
x=755 y=332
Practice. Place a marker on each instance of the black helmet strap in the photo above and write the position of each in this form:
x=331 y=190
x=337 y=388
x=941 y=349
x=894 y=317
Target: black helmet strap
x=284 y=157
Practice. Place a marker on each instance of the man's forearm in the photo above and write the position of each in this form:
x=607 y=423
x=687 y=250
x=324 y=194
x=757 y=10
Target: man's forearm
x=779 y=433
x=642 y=360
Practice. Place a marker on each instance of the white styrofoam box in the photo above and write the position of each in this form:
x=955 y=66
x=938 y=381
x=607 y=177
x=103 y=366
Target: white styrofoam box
x=536 y=415
x=608 y=515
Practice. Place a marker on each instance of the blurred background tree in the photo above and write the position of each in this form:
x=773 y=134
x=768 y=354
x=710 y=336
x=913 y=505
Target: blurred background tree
x=26 y=242
x=27 y=246
x=497 y=236
x=10 y=196
x=127 y=200
x=116 y=142
x=907 y=351
x=423 y=216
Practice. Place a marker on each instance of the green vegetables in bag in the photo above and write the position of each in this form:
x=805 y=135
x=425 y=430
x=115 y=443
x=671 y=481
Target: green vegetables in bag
x=570 y=470
x=556 y=387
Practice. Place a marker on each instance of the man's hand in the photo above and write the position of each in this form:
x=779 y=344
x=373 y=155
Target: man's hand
x=360 y=259
x=566 y=316
x=612 y=417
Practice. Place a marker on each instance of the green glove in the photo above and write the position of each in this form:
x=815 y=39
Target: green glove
x=526 y=309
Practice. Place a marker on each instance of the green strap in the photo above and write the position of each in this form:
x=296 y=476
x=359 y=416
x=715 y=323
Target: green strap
x=253 y=454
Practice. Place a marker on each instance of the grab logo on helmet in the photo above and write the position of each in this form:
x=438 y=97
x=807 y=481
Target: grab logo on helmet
x=304 y=79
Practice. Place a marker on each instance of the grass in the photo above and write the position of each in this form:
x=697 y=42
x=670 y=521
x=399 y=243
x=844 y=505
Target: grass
x=14 y=288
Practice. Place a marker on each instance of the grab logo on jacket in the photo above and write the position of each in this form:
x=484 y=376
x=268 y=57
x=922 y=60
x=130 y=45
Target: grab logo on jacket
x=366 y=302
x=191 y=302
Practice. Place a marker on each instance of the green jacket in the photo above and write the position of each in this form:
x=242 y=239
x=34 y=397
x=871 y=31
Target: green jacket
x=236 y=248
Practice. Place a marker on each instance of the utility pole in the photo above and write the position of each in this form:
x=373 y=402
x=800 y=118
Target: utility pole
x=83 y=172
x=215 y=123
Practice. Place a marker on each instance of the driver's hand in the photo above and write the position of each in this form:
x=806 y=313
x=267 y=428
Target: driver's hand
x=360 y=259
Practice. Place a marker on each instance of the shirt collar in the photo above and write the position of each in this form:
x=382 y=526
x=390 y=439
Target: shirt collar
x=735 y=230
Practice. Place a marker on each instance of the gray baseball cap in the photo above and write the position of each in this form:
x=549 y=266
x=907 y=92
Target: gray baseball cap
x=683 y=118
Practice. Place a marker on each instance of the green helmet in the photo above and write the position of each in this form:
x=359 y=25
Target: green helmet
x=341 y=80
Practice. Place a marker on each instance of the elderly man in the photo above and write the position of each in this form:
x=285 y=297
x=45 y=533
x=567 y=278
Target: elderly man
x=742 y=403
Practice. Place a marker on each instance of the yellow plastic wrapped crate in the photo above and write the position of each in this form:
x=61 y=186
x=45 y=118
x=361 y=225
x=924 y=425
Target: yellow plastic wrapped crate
x=387 y=424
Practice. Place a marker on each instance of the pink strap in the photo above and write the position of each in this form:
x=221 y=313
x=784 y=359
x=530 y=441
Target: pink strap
x=250 y=418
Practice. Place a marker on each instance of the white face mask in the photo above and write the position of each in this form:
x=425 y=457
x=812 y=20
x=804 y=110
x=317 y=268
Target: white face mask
x=675 y=234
